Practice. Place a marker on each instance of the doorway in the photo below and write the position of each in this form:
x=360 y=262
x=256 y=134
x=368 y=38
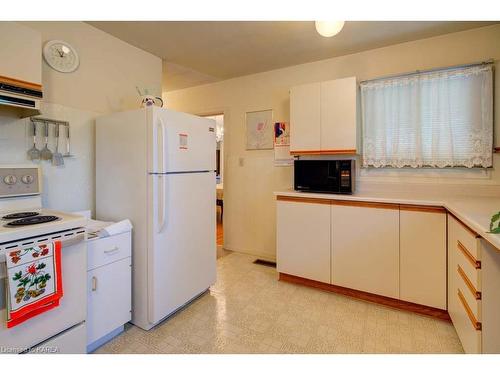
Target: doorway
x=219 y=163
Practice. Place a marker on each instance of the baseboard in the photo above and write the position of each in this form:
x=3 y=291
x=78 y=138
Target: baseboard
x=369 y=297
x=264 y=256
x=103 y=340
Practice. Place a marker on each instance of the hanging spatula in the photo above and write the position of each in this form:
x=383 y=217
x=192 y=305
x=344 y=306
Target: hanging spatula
x=46 y=154
x=57 y=158
x=34 y=153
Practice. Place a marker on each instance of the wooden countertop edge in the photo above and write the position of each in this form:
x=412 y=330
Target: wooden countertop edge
x=288 y=198
x=466 y=227
x=362 y=203
x=324 y=152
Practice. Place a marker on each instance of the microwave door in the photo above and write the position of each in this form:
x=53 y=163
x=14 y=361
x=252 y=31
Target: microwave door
x=333 y=177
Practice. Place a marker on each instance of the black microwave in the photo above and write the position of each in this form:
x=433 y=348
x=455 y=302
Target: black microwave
x=324 y=176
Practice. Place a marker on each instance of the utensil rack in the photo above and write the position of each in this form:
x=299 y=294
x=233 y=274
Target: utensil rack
x=46 y=121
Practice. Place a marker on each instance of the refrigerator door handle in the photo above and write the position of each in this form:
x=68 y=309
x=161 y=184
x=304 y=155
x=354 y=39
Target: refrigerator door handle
x=161 y=203
x=159 y=147
x=162 y=145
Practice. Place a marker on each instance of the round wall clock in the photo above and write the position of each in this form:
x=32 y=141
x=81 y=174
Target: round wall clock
x=61 y=56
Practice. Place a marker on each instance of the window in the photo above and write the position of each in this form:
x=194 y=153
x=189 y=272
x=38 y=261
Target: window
x=435 y=119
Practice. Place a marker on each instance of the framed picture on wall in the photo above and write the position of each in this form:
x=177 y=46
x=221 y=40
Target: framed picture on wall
x=260 y=130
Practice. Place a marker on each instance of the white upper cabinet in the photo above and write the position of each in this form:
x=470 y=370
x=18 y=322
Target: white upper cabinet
x=20 y=53
x=323 y=117
x=305 y=118
x=338 y=115
x=423 y=256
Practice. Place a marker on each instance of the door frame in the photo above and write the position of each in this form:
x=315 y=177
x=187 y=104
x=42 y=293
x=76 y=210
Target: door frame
x=219 y=112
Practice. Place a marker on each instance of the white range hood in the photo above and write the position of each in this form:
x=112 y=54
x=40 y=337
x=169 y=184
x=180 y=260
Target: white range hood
x=21 y=95
x=20 y=69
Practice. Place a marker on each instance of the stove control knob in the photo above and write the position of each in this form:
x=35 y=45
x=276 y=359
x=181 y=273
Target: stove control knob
x=27 y=179
x=10 y=179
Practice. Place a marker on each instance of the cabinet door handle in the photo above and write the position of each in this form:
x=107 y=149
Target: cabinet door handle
x=468 y=283
x=475 y=263
x=112 y=250
x=94 y=283
x=477 y=325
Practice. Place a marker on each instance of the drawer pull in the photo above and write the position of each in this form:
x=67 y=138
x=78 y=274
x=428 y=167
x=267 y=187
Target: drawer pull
x=475 y=263
x=472 y=318
x=475 y=293
x=94 y=283
x=112 y=250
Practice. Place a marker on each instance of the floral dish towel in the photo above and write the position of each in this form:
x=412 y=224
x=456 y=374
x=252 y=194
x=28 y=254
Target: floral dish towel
x=34 y=281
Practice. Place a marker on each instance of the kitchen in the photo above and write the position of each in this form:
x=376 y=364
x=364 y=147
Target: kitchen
x=267 y=214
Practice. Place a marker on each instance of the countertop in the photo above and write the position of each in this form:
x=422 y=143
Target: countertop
x=475 y=212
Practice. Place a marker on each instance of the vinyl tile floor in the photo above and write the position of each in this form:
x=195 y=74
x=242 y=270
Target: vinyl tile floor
x=249 y=311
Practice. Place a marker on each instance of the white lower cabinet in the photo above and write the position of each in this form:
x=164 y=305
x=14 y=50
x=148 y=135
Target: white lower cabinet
x=464 y=285
x=412 y=253
x=303 y=239
x=109 y=298
x=365 y=247
x=423 y=256
x=473 y=285
x=109 y=288
x=490 y=298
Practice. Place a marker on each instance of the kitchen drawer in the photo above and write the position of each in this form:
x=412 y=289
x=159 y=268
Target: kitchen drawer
x=469 y=292
x=469 y=264
x=108 y=250
x=468 y=238
x=467 y=325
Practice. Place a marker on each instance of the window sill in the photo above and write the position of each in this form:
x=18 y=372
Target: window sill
x=452 y=173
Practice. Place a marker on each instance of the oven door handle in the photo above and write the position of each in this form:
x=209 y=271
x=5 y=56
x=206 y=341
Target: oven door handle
x=64 y=243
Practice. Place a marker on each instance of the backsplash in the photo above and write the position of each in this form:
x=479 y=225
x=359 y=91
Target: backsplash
x=70 y=187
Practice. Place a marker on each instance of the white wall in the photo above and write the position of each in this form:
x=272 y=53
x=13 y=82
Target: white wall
x=249 y=207
x=70 y=187
x=105 y=82
x=109 y=70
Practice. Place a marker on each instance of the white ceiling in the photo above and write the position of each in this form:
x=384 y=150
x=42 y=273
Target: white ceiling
x=200 y=52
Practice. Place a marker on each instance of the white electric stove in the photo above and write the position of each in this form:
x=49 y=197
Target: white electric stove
x=23 y=221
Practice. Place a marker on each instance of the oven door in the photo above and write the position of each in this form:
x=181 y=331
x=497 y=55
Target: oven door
x=73 y=306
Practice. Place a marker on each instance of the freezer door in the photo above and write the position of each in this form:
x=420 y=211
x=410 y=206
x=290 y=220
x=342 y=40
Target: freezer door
x=180 y=142
x=182 y=248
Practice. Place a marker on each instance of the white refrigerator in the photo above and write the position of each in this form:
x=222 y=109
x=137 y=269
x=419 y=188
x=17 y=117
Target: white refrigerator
x=156 y=167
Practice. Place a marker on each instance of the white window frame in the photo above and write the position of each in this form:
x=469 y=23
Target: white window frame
x=374 y=156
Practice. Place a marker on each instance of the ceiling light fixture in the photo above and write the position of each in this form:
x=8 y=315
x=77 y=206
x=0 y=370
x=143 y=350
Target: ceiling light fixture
x=329 y=28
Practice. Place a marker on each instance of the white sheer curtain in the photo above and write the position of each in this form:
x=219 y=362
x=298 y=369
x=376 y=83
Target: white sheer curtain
x=437 y=119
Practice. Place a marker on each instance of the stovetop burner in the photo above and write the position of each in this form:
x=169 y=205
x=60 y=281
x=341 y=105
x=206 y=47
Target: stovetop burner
x=32 y=220
x=20 y=215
